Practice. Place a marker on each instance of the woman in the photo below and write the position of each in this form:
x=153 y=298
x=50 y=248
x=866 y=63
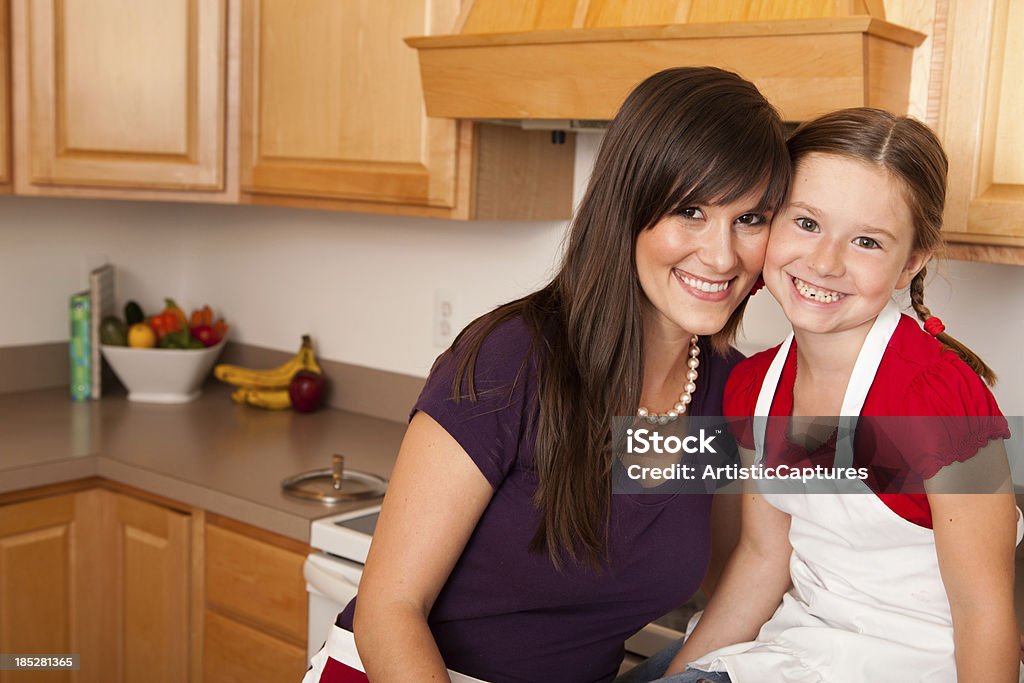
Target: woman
x=500 y=551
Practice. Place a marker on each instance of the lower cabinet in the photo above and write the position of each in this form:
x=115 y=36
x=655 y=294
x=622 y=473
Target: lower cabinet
x=99 y=574
x=256 y=606
x=37 y=583
x=238 y=652
x=146 y=582
x=143 y=591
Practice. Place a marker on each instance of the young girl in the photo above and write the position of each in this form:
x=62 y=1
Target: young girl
x=880 y=586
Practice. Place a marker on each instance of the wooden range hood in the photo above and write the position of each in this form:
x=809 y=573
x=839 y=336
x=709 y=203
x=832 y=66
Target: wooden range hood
x=577 y=59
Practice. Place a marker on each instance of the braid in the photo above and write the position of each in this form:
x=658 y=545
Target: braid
x=968 y=356
x=917 y=295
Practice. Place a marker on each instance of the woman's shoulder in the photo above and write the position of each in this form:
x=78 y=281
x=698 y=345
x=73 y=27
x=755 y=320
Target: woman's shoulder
x=496 y=351
x=482 y=391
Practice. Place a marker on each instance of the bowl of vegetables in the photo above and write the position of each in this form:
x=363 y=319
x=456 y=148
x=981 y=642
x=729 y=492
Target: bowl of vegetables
x=162 y=358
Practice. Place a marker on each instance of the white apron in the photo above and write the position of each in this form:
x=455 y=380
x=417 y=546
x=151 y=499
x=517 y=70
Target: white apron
x=341 y=647
x=867 y=601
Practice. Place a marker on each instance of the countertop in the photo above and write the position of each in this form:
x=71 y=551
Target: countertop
x=211 y=453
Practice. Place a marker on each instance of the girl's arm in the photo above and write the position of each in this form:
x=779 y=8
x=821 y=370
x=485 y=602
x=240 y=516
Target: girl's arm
x=974 y=540
x=726 y=509
x=434 y=501
x=752 y=585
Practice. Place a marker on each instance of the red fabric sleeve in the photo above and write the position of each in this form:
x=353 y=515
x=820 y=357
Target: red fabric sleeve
x=740 y=399
x=950 y=389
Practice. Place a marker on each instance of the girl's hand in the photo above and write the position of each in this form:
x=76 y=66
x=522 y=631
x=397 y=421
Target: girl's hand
x=735 y=615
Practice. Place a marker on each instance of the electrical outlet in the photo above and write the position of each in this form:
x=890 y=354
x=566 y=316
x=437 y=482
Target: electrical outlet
x=444 y=318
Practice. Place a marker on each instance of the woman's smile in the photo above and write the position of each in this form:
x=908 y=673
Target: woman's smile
x=695 y=266
x=704 y=289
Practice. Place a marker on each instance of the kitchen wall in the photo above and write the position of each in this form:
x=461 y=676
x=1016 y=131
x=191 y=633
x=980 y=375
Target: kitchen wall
x=364 y=285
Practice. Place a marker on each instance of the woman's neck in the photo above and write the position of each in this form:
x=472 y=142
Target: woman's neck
x=666 y=348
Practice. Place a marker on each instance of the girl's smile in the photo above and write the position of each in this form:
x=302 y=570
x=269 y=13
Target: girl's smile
x=816 y=293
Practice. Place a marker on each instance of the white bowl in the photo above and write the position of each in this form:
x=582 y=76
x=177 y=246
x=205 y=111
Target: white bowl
x=162 y=375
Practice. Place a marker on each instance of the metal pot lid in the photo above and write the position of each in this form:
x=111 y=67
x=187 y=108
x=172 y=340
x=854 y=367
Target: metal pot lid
x=335 y=484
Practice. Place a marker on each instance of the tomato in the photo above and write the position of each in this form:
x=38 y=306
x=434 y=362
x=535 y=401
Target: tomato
x=164 y=323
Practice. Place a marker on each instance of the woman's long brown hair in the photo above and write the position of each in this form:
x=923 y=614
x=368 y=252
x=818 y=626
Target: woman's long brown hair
x=911 y=153
x=683 y=137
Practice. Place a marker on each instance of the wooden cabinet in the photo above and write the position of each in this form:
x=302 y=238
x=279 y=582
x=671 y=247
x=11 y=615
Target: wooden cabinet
x=322 y=108
x=147 y=579
x=37 y=582
x=982 y=130
x=5 y=99
x=332 y=104
x=119 y=94
x=332 y=111
x=256 y=605
x=146 y=591
x=101 y=574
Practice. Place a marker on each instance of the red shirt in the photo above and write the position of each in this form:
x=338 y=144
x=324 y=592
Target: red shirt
x=916 y=377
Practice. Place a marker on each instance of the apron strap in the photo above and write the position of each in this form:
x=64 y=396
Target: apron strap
x=861 y=379
x=763 y=407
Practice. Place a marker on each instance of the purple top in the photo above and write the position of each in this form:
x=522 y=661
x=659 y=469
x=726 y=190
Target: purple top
x=505 y=613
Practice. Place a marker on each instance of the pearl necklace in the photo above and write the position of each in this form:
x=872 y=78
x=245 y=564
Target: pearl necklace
x=684 y=398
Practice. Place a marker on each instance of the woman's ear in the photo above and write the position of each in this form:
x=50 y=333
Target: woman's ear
x=915 y=263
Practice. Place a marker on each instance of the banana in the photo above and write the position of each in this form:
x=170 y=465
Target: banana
x=271 y=399
x=273 y=378
x=238 y=395
x=308 y=360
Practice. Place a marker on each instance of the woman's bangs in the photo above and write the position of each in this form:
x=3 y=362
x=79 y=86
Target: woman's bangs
x=727 y=180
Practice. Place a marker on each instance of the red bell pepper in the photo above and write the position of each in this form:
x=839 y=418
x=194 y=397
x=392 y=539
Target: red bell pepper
x=164 y=323
x=202 y=316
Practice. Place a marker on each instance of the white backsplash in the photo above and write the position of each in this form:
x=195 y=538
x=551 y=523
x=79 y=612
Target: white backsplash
x=364 y=285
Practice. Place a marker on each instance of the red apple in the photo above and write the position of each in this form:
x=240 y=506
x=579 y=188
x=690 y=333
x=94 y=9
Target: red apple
x=306 y=390
x=205 y=334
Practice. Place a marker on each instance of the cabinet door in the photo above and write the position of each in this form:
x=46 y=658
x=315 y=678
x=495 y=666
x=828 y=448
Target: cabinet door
x=121 y=93
x=36 y=582
x=332 y=104
x=149 y=572
x=982 y=131
x=256 y=606
x=5 y=89
x=236 y=652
